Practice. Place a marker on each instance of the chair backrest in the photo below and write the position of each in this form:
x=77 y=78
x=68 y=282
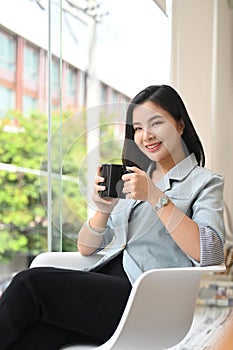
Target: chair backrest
x=159 y=312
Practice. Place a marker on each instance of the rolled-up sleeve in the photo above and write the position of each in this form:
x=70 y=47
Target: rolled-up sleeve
x=208 y=214
x=212 y=249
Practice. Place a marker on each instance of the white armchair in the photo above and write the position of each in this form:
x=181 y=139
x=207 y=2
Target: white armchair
x=160 y=309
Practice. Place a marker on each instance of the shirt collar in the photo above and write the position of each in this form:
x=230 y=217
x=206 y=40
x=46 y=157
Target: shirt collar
x=178 y=172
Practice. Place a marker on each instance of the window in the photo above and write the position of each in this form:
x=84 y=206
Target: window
x=114 y=96
x=7 y=100
x=55 y=77
x=104 y=93
x=29 y=104
x=31 y=63
x=7 y=52
x=71 y=83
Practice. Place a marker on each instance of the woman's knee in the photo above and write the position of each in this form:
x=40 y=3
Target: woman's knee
x=26 y=275
x=23 y=280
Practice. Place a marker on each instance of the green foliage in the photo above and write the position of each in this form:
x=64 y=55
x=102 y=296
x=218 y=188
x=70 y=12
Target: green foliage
x=23 y=217
x=15 y=242
x=23 y=195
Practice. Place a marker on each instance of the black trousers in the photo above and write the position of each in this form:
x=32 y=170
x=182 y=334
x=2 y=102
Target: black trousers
x=46 y=308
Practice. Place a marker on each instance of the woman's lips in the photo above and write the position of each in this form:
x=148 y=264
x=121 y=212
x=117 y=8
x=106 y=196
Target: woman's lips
x=153 y=146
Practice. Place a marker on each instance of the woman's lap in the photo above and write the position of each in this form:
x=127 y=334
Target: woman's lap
x=80 y=303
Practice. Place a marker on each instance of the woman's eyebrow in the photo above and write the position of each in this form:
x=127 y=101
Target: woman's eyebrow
x=157 y=116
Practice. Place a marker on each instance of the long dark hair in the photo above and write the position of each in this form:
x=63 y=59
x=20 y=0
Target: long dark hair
x=168 y=99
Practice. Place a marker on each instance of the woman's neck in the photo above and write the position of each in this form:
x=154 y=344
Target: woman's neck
x=162 y=168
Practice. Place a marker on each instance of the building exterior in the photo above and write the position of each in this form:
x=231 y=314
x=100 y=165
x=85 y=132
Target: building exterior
x=24 y=65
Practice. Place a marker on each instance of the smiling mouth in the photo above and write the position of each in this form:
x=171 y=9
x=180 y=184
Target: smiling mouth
x=153 y=147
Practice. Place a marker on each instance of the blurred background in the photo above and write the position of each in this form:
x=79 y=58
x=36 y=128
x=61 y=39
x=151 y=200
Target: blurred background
x=68 y=69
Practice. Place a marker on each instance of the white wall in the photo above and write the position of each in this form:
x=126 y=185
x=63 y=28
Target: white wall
x=202 y=71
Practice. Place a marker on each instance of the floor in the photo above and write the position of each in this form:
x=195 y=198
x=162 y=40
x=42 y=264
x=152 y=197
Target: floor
x=212 y=327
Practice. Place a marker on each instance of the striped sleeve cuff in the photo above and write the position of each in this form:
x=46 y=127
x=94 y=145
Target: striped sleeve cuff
x=212 y=250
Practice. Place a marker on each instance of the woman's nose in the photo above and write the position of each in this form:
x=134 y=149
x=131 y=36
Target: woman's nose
x=147 y=135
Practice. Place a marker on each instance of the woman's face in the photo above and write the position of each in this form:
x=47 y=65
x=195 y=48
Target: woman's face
x=157 y=134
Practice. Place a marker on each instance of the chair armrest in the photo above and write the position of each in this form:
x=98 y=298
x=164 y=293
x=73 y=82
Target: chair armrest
x=65 y=260
x=76 y=261
x=213 y=268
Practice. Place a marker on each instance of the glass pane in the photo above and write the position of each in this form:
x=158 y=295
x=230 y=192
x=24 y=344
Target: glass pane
x=23 y=136
x=71 y=83
x=7 y=100
x=31 y=63
x=7 y=52
x=29 y=105
x=52 y=67
x=55 y=75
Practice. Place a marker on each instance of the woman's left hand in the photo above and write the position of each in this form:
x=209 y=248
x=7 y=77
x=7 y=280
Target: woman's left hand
x=138 y=185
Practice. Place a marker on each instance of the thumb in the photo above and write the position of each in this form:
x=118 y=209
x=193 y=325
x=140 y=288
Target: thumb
x=134 y=169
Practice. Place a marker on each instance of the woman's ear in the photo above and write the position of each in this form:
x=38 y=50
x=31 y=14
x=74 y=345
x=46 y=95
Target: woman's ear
x=181 y=126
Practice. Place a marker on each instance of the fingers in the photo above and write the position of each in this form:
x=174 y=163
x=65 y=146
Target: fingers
x=99 y=186
x=134 y=169
x=99 y=180
x=135 y=184
x=129 y=196
x=98 y=177
x=103 y=204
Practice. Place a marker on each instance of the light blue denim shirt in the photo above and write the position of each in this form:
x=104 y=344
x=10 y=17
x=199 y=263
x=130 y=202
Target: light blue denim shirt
x=136 y=229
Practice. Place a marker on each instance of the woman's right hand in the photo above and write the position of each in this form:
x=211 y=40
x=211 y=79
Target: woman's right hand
x=104 y=205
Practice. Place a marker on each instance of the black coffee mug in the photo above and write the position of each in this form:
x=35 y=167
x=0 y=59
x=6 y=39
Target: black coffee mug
x=112 y=174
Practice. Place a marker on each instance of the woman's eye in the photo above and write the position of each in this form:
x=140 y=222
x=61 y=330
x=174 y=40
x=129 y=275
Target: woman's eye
x=157 y=123
x=137 y=129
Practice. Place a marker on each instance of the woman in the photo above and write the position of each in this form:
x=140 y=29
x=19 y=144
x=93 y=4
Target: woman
x=172 y=216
